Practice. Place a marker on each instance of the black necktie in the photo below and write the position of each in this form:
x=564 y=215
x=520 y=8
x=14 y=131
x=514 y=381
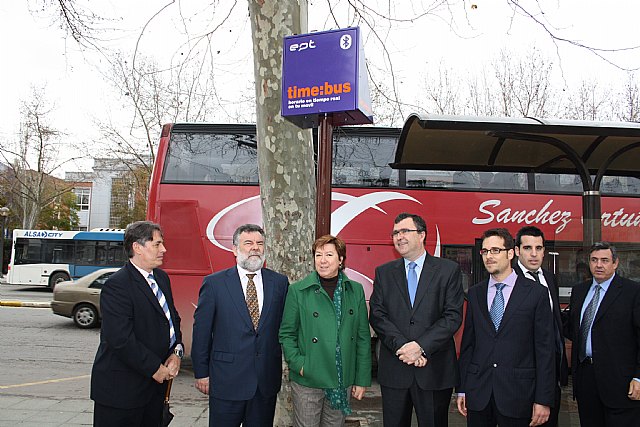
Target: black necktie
x=535 y=275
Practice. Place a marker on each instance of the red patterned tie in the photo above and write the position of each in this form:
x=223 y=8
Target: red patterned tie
x=252 y=301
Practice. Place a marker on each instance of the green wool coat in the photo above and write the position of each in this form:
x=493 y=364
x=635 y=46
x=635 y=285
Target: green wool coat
x=308 y=335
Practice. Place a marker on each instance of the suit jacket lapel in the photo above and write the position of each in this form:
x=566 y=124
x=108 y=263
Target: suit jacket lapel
x=615 y=289
x=580 y=293
x=482 y=303
x=144 y=287
x=553 y=290
x=520 y=292
x=427 y=276
x=267 y=293
x=400 y=279
x=234 y=287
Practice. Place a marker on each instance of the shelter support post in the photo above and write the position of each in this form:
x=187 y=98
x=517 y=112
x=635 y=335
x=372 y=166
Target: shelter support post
x=591 y=218
x=325 y=157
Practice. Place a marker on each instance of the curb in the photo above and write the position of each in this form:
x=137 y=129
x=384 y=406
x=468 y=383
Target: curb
x=31 y=304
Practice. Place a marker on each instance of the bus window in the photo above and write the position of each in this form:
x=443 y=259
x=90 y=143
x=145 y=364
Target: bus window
x=463 y=255
x=212 y=158
x=27 y=251
x=364 y=161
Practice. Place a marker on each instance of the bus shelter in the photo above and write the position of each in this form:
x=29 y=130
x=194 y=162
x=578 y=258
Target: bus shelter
x=588 y=149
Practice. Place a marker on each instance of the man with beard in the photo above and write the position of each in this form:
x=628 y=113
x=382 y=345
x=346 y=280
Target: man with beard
x=236 y=355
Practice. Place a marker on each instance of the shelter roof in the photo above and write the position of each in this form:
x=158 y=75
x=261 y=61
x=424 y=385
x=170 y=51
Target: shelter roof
x=438 y=142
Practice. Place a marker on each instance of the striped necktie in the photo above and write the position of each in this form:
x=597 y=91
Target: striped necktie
x=587 y=321
x=497 y=306
x=165 y=307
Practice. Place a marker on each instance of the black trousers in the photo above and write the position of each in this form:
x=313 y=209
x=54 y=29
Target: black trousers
x=490 y=417
x=591 y=409
x=146 y=416
x=431 y=406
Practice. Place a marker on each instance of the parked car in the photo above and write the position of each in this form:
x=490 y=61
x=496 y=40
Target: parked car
x=80 y=299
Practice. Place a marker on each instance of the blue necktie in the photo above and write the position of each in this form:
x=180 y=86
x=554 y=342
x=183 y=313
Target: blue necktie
x=497 y=306
x=165 y=307
x=412 y=281
x=587 y=321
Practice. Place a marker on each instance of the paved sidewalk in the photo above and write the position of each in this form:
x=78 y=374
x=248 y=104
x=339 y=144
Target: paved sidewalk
x=190 y=408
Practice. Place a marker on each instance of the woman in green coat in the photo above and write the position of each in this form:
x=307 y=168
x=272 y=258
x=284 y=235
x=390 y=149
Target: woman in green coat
x=325 y=339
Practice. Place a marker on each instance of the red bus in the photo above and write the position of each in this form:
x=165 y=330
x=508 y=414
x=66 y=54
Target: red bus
x=204 y=185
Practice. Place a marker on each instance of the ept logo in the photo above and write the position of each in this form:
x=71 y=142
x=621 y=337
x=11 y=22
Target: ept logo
x=299 y=47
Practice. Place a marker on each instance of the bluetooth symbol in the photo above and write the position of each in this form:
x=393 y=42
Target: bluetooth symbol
x=345 y=41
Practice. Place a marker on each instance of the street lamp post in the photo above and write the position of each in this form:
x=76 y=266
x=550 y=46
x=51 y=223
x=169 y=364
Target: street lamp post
x=4 y=213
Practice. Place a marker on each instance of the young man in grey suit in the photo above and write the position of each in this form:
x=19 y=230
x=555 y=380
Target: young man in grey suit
x=140 y=341
x=507 y=369
x=236 y=355
x=605 y=330
x=530 y=249
x=415 y=309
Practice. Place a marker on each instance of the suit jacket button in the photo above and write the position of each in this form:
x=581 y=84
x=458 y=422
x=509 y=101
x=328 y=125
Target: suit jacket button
x=412 y=322
x=314 y=340
x=495 y=365
x=351 y=311
x=315 y=314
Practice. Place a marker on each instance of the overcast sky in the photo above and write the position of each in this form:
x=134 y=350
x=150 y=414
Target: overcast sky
x=35 y=51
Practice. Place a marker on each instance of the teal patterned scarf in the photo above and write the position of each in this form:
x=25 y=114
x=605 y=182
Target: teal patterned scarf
x=337 y=397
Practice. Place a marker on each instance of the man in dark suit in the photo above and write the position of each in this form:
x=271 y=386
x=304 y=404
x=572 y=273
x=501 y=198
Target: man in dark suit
x=507 y=368
x=140 y=341
x=530 y=246
x=236 y=355
x=605 y=330
x=415 y=309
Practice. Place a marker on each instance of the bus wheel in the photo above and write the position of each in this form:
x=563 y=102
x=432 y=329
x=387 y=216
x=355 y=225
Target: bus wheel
x=57 y=278
x=85 y=316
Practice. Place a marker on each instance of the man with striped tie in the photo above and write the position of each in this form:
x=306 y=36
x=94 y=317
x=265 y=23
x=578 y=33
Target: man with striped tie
x=507 y=356
x=140 y=341
x=605 y=329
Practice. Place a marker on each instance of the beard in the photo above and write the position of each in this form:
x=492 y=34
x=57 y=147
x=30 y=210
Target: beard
x=251 y=261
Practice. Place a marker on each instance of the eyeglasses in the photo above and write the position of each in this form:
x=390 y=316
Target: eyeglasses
x=403 y=231
x=493 y=251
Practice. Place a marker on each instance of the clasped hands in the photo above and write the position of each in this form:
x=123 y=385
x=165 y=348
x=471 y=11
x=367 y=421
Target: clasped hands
x=168 y=370
x=411 y=354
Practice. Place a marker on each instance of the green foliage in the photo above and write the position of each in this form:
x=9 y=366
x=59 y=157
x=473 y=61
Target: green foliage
x=60 y=214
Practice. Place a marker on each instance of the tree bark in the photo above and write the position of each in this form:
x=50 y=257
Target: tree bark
x=285 y=157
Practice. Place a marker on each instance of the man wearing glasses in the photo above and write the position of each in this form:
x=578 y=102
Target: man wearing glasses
x=415 y=309
x=507 y=357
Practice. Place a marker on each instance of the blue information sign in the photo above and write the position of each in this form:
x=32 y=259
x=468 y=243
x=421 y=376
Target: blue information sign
x=325 y=72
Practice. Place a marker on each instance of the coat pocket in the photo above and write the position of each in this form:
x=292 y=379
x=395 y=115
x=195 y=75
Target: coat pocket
x=222 y=356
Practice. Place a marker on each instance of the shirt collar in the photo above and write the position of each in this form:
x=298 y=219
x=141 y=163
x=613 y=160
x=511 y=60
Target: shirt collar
x=604 y=285
x=419 y=261
x=510 y=280
x=525 y=269
x=143 y=272
x=243 y=273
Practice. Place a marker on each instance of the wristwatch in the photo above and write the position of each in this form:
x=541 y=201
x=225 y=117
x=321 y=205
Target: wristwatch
x=178 y=351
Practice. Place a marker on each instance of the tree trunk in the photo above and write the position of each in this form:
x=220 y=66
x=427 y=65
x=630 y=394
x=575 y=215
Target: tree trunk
x=285 y=157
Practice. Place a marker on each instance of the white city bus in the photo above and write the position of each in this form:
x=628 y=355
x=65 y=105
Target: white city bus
x=47 y=257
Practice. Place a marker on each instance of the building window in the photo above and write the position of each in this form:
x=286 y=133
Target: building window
x=83 y=198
